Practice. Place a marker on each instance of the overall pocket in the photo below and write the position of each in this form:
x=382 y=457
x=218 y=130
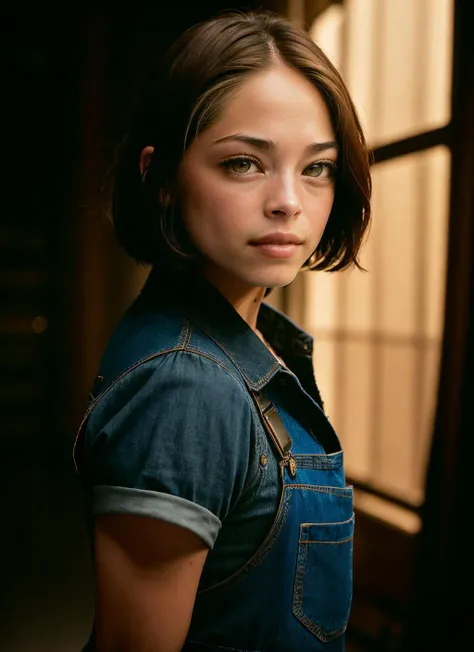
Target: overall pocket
x=322 y=592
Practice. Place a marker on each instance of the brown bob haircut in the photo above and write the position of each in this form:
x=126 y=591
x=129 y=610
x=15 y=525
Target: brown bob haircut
x=201 y=69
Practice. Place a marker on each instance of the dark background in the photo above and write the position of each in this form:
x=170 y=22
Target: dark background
x=71 y=74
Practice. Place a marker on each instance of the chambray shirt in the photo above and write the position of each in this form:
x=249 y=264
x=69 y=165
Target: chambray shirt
x=171 y=431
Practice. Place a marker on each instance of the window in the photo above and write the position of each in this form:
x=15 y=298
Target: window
x=378 y=333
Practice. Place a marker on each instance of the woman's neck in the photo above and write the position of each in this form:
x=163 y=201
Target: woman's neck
x=245 y=299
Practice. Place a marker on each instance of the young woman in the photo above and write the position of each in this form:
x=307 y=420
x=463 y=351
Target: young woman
x=214 y=481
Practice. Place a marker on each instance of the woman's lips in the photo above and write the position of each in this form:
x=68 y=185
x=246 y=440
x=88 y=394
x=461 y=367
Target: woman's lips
x=275 y=249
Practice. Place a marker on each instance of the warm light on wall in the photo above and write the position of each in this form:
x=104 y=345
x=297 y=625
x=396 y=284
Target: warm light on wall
x=378 y=333
x=397 y=63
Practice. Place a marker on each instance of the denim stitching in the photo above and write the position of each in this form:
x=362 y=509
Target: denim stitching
x=262 y=551
x=327 y=543
x=315 y=629
x=299 y=576
x=109 y=387
x=342 y=492
x=316 y=463
x=307 y=525
x=262 y=446
x=141 y=362
x=185 y=334
x=269 y=541
x=255 y=386
x=261 y=442
x=304 y=527
x=250 y=483
x=254 y=483
x=262 y=381
x=209 y=356
x=128 y=370
x=297 y=605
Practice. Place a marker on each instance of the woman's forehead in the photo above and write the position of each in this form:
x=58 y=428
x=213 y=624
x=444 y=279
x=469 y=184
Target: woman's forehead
x=273 y=104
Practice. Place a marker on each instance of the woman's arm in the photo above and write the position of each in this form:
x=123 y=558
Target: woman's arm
x=147 y=573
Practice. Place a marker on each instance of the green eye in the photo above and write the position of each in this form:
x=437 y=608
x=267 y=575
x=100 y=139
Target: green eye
x=240 y=165
x=315 y=170
x=323 y=168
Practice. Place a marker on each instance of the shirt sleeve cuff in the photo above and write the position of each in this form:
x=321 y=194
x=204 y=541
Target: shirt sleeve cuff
x=172 y=509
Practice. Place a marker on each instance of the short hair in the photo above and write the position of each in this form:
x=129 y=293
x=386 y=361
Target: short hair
x=186 y=95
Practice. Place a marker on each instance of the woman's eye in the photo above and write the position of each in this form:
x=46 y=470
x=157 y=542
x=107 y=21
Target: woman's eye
x=239 y=165
x=323 y=169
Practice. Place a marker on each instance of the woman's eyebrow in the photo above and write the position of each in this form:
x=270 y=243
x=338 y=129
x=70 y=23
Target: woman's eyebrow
x=269 y=145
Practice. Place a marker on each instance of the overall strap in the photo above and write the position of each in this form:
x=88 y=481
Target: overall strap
x=276 y=430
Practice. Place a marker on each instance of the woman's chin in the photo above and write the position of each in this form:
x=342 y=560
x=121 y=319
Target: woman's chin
x=273 y=279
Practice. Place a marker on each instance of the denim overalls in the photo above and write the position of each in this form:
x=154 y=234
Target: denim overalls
x=294 y=593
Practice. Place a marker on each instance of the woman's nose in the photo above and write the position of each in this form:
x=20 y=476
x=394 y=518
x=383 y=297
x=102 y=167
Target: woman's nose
x=283 y=199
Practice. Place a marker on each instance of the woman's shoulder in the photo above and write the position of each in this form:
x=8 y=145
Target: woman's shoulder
x=152 y=355
x=154 y=329
x=179 y=407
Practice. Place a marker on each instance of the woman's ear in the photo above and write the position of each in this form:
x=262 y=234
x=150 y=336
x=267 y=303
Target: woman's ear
x=145 y=158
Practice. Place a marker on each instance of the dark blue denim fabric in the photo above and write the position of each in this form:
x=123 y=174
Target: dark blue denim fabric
x=295 y=592
x=173 y=415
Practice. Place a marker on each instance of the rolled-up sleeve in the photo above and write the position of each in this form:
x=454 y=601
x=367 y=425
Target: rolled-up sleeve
x=171 y=440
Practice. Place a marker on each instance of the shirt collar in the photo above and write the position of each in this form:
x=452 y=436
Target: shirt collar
x=204 y=305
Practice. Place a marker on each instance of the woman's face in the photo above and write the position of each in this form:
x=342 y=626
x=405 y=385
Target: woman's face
x=257 y=186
